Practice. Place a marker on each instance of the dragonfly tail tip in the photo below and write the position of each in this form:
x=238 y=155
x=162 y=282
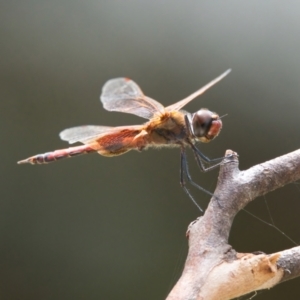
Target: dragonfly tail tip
x=24 y=161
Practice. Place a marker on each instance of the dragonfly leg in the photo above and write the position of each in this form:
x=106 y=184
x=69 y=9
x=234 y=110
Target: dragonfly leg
x=182 y=183
x=200 y=158
x=184 y=171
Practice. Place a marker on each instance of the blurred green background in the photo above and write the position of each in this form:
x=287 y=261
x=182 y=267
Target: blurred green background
x=114 y=228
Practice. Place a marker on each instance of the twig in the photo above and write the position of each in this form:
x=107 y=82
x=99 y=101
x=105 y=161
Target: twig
x=213 y=270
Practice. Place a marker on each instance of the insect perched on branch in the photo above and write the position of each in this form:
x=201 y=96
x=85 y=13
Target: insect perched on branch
x=167 y=126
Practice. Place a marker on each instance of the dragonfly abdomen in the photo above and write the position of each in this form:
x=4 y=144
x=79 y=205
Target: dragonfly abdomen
x=57 y=155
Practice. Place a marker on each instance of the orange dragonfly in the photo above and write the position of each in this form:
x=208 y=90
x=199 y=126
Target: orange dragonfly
x=167 y=126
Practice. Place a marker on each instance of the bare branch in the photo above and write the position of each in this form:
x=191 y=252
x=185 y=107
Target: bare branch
x=213 y=270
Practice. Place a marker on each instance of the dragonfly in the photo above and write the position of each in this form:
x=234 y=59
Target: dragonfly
x=167 y=127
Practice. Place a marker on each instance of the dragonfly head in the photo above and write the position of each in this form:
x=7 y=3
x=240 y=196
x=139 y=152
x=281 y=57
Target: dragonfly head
x=204 y=125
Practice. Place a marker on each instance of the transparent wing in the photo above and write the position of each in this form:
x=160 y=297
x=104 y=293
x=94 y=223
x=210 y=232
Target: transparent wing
x=185 y=101
x=84 y=133
x=88 y=133
x=124 y=95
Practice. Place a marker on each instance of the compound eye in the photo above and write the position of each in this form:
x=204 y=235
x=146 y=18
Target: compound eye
x=201 y=122
x=206 y=125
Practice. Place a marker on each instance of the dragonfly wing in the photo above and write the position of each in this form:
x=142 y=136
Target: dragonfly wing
x=182 y=103
x=124 y=95
x=89 y=133
x=83 y=133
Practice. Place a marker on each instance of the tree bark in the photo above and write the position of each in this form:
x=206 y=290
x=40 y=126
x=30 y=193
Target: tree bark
x=213 y=270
